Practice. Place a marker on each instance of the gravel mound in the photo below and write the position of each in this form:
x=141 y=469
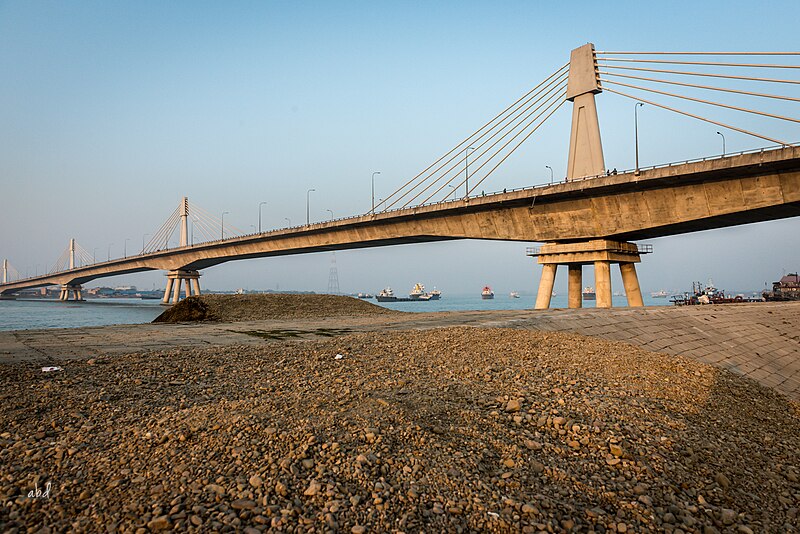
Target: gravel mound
x=234 y=308
x=446 y=430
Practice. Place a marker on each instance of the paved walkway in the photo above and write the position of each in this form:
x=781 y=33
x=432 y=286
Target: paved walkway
x=760 y=340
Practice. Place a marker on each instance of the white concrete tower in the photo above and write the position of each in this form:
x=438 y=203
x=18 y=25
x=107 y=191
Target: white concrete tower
x=585 y=148
x=72 y=253
x=185 y=221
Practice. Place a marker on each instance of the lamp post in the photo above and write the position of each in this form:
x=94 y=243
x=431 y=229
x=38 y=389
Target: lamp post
x=466 y=171
x=288 y=222
x=551 y=173
x=331 y=212
x=373 y=191
x=454 y=190
x=94 y=255
x=143 y=237
x=125 y=247
x=109 y=251
x=222 y=225
x=723 y=143
x=259 y=215
x=636 y=132
x=308 y=204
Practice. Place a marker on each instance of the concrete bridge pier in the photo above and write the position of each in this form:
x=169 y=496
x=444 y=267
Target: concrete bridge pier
x=75 y=289
x=191 y=281
x=600 y=253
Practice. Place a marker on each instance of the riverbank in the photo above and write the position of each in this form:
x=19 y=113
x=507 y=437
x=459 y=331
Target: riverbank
x=433 y=422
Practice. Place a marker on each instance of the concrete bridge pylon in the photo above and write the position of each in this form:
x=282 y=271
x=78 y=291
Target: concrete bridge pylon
x=176 y=277
x=586 y=160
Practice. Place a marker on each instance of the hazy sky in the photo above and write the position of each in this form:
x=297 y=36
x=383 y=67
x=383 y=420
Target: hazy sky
x=110 y=112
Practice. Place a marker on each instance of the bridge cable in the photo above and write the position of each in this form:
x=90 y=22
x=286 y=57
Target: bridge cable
x=164 y=233
x=736 y=108
x=782 y=143
x=561 y=81
x=556 y=97
x=697 y=86
x=704 y=63
x=516 y=147
x=705 y=74
x=703 y=53
x=467 y=140
x=554 y=92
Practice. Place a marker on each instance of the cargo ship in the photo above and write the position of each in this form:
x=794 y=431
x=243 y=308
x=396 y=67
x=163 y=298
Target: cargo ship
x=487 y=293
x=588 y=293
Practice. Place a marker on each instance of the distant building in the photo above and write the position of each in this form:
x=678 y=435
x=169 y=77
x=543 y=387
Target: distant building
x=788 y=288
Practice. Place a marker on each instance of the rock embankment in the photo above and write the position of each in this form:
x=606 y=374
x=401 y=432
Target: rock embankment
x=235 y=308
x=458 y=429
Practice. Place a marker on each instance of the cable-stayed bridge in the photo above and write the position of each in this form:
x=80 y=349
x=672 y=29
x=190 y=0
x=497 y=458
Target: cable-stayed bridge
x=591 y=217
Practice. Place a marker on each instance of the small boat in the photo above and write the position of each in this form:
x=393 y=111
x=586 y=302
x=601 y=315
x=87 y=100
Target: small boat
x=435 y=294
x=514 y=295
x=661 y=294
x=588 y=293
x=487 y=293
x=386 y=295
x=364 y=296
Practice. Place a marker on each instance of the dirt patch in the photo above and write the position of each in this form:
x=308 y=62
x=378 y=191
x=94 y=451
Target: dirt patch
x=445 y=430
x=236 y=308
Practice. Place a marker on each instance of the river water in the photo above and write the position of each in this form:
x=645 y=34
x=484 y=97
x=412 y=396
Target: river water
x=40 y=313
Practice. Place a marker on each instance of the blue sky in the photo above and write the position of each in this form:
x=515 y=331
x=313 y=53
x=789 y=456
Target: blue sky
x=110 y=112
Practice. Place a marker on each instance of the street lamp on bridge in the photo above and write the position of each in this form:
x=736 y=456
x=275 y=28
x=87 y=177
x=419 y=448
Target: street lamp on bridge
x=259 y=215
x=308 y=210
x=466 y=171
x=636 y=132
x=222 y=225
x=94 y=255
x=125 y=247
x=373 y=191
x=109 y=252
x=723 y=143
x=288 y=222
x=551 y=173
x=143 y=242
x=331 y=212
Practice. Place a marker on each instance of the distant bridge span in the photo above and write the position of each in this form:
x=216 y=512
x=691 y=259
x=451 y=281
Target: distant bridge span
x=669 y=200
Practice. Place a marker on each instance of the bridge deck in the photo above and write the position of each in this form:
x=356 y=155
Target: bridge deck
x=657 y=202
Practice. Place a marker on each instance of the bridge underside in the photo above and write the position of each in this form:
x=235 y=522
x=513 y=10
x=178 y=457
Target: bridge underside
x=659 y=202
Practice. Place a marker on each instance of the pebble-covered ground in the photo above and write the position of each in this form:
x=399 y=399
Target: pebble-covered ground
x=458 y=429
x=234 y=308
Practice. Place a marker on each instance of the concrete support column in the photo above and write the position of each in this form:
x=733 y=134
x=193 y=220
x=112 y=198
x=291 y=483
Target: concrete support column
x=190 y=281
x=631 y=283
x=176 y=291
x=602 y=282
x=76 y=290
x=196 y=284
x=168 y=291
x=546 y=286
x=575 y=285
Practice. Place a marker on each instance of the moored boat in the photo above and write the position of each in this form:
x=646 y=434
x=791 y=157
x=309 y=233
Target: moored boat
x=386 y=295
x=660 y=294
x=435 y=294
x=418 y=293
x=487 y=293
x=514 y=295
